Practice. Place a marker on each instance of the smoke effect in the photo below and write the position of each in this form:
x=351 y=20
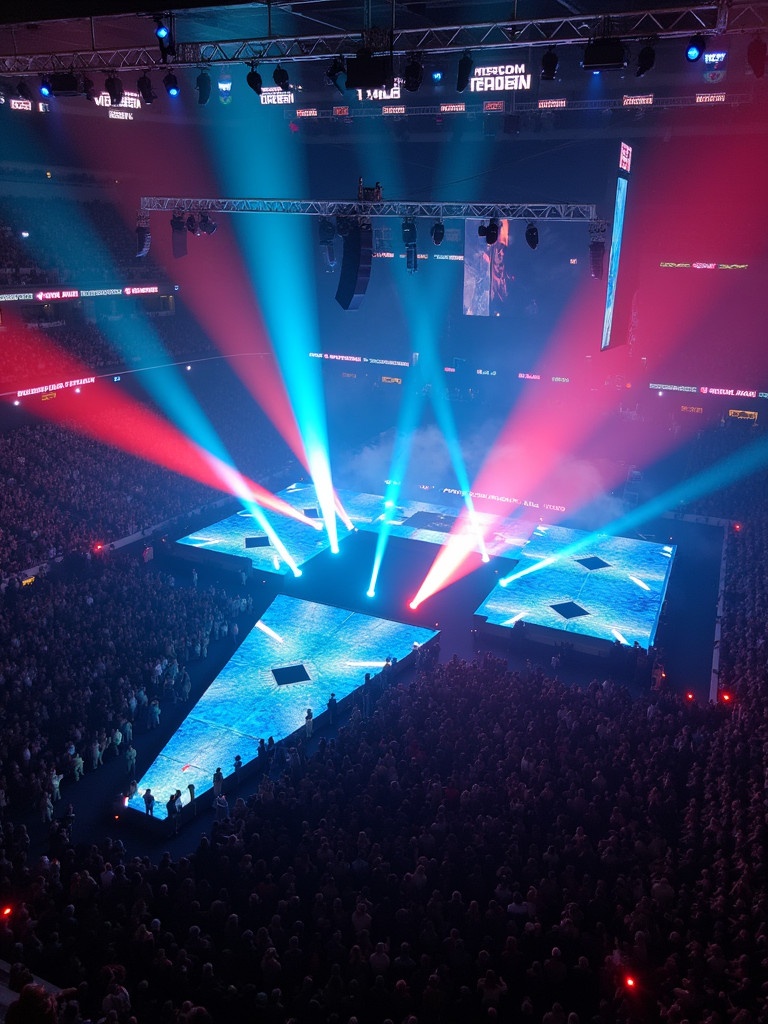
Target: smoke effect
x=580 y=486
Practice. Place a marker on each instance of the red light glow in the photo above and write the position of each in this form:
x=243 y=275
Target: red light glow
x=111 y=416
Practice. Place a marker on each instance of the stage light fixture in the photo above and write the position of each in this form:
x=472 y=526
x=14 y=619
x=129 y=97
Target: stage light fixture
x=147 y=93
x=206 y=225
x=414 y=74
x=114 y=88
x=203 y=86
x=645 y=60
x=489 y=231
x=437 y=75
x=409 y=230
x=756 y=52
x=464 y=74
x=25 y=93
x=281 y=79
x=253 y=78
x=171 y=84
x=89 y=90
x=165 y=40
x=532 y=236
x=437 y=231
x=45 y=88
x=549 y=65
x=224 y=86
x=334 y=73
x=696 y=47
x=192 y=225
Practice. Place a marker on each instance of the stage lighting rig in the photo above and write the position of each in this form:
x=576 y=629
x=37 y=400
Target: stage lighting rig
x=696 y=46
x=334 y=73
x=25 y=93
x=165 y=39
x=437 y=231
x=203 y=86
x=206 y=225
x=489 y=231
x=147 y=93
x=171 y=84
x=253 y=78
x=281 y=79
x=114 y=88
x=532 y=236
x=549 y=65
x=224 y=87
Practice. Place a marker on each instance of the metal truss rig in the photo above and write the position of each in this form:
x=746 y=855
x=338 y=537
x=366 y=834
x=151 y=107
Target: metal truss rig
x=368 y=210
x=721 y=18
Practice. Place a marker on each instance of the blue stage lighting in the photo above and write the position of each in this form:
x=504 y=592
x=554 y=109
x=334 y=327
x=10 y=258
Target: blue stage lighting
x=161 y=31
x=371 y=593
x=696 y=47
x=437 y=76
x=45 y=88
x=171 y=84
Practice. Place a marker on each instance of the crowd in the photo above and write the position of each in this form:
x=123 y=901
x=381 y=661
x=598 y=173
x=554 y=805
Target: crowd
x=90 y=655
x=67 y=492
x=475 y=844
x=65 y=241
x=34 y=354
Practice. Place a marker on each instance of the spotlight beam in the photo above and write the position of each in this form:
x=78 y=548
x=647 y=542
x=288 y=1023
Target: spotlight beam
x=124 y=423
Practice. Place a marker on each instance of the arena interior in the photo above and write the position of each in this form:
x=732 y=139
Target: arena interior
x=384 y=513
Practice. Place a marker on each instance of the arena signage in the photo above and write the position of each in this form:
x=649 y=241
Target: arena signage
x=60 y=386
x=500 y=78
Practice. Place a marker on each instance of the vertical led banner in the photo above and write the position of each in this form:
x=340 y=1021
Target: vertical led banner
x=622 y=182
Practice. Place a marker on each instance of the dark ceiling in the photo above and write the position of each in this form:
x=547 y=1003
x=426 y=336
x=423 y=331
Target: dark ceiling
x=44 y=26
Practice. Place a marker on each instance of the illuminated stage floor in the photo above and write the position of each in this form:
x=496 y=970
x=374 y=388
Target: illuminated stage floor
x=611 y=589
x=333 y=647
x=411 y=520
x=323 y=626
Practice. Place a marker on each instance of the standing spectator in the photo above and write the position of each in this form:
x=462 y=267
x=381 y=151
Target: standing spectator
x=149 y=803
x=308 y=724
x=218 y=782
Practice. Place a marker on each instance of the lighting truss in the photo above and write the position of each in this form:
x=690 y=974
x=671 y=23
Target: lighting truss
x=361 y=208
x=718 y=18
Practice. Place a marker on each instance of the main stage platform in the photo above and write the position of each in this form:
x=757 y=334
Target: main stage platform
x=321 y=633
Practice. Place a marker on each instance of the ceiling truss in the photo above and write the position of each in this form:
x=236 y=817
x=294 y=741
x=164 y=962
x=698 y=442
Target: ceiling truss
x=368 y=210
x=710 y=19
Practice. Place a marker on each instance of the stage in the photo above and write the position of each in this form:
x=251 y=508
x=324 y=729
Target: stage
x=589 y=592
x=571 y=587
x=331 y=647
